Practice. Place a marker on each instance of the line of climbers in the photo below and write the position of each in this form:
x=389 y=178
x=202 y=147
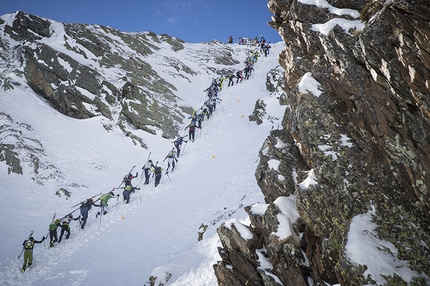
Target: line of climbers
x=260 y=43
x=148 y=170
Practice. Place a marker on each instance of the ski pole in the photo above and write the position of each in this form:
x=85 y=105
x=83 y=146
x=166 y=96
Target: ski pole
x=183 y=150
x=19 y=256
x=167 y=174
x=101 y=213
x=44 y=241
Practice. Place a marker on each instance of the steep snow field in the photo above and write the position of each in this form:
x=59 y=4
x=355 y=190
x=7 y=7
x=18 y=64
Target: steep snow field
x=156 y=234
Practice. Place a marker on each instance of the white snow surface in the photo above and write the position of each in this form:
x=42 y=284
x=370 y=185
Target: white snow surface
x=345 y=24
x=366 y=248
x=309 y=84
x=157 y=233
x=311 y=179
x=286 y=217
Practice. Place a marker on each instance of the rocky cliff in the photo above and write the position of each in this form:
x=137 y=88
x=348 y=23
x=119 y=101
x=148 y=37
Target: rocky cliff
x=347 y=181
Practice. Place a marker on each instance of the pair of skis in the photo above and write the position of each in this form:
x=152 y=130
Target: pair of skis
x=86 y=200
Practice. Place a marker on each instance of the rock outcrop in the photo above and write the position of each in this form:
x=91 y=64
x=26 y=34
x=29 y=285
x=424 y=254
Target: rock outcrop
x=354 y=154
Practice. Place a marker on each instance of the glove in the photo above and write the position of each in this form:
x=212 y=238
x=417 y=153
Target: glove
x=137 y=174
x=43 y=238
x=117 y=195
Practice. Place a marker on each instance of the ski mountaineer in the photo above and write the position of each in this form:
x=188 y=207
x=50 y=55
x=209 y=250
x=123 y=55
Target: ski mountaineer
x=191 y=131
x=200 y=118
x=178 y=142
x=221 y=82
x=171 y=160
x=231 y=79
x=157 y=172
x=128 y=178
x=85 y=208
x=129 y=187
x=214 y=100
x=104 y=208
x=262 y=39
x=28 y=245
x=53 y=232
x=247 y=71
x=210 y=104
x=147 y=171
x=239 y=76
x=65 y=227
x=126 y=193
x=205 y=112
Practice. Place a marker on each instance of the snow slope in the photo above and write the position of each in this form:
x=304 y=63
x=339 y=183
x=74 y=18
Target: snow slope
x=156 y=234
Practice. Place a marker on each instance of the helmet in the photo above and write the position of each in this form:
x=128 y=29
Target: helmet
x=31 y=238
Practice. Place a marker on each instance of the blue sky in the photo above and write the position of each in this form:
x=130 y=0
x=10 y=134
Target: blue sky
x=191 y=20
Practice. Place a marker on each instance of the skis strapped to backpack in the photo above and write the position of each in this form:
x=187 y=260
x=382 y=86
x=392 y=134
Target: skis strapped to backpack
x=143 y=171
x=126 y=176
x=193 y=116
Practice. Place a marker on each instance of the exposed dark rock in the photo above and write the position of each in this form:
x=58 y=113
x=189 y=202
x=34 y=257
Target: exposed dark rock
x=259 y=112
x=49 y=81
x=28 y=28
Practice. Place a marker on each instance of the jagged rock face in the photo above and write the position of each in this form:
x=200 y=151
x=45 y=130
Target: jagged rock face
x=365 y=137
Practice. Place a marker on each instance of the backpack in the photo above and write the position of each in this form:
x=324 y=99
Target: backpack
x=127 y=180
x=53 y=225
x=157 y=170
x=28 y=244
